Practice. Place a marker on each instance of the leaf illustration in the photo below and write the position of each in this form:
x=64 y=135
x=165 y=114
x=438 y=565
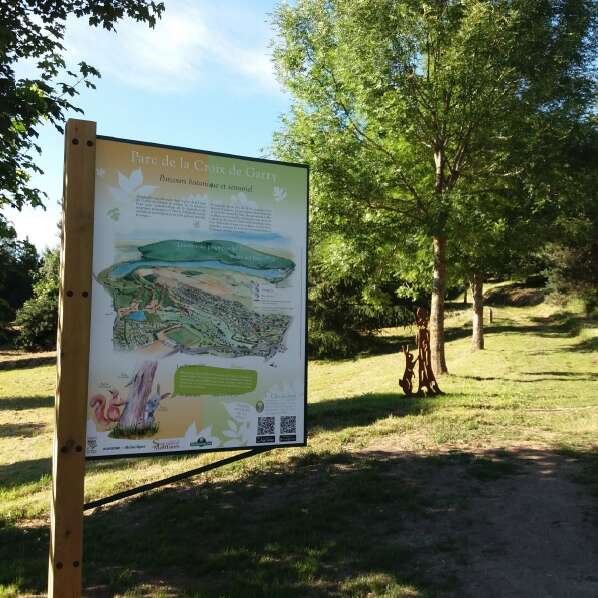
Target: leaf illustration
x=114 y=213
x=239 y=412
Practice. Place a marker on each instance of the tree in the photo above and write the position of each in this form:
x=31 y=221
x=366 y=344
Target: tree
x=402 y=107
x=547 y=212
x=571 y=252
x=37 y=319
x=19 y=263
x=33 y=30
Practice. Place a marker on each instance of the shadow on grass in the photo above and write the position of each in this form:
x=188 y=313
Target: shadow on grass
x=589 y=345
x=548 y=377
x=364 y=410
x=343 y=524
x=17 y=430
x=20 y=403
x=561 y=324
x=24 y=472
x=28 y=362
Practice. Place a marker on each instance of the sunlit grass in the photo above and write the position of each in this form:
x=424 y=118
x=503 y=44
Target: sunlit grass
x=535 y=384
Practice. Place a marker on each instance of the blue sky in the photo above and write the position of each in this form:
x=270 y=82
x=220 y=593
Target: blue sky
x=202 y=78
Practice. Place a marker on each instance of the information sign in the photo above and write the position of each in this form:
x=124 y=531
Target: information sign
x=198 y=317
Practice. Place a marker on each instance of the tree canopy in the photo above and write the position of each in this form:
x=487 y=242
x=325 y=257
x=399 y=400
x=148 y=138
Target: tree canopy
x=32 y=32
x=410 y=110
x=19 y=263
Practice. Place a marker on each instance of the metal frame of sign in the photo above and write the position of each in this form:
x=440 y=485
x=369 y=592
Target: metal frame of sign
x=305 y=304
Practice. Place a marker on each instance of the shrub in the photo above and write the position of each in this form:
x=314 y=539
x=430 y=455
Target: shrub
x=37 y=319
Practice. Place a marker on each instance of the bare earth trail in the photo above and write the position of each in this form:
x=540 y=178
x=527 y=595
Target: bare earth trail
x=532 y=537
x=523 y=532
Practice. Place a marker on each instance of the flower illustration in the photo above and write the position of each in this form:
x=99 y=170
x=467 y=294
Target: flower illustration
x=128 y=188
x=133 y=184
x=239 y=426
x=279 y=193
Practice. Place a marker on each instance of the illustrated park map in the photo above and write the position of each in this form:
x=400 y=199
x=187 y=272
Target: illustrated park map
x=197 y=297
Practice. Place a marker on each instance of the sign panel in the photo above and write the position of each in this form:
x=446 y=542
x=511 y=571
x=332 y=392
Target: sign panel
x=198 y=302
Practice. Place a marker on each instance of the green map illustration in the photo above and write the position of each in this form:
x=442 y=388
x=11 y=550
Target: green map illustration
x=197 y=297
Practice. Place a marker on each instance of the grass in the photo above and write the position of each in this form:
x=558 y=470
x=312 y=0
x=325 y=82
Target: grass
x=133 y=431
x=369 y=508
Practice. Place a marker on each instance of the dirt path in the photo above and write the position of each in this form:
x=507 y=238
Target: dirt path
x=506 y=523
x=533 y=537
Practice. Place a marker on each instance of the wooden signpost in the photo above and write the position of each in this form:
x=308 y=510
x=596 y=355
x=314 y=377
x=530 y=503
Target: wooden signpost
x=68 y=454
x=91 y=366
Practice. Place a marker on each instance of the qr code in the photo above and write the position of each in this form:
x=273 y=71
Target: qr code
x=288 y=424
x=265 y=426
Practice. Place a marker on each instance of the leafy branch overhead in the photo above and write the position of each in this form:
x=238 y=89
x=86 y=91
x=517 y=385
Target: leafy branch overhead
x=420 y=95
x=32 y=32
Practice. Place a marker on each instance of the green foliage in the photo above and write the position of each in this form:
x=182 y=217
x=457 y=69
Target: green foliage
x=401 y=107
x=19 y=263
x=133 y=431
x=573 y=266
x=571 y=255
x=37 y=319
x=33 y=31
x=352 y=293
x=424 y=119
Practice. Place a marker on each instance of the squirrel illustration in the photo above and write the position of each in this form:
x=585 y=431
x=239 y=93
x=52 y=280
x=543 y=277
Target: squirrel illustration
x=107 y=412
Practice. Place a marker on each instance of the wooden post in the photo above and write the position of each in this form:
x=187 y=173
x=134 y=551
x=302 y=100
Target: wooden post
x=68 y=451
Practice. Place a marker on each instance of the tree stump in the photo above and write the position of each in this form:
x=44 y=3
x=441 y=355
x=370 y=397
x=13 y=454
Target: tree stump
x=133 y=415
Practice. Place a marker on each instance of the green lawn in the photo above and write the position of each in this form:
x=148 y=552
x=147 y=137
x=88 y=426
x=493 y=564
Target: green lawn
x=365 y=510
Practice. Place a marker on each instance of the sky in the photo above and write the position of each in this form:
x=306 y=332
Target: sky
x=202 y=79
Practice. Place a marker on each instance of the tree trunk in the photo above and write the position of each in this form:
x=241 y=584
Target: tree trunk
x=477 y=286
x=437 y=311
x=141 y=388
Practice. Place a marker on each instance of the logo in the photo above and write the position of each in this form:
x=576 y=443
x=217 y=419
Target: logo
x=201 y=441
x=264 y=439
x=165 y=445
x=259 y=406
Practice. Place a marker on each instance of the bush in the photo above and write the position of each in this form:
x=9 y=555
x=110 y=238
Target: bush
x=37 y=319
x=19 y=263
x=5 y=320
x=352 y=294
x=573 y=270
